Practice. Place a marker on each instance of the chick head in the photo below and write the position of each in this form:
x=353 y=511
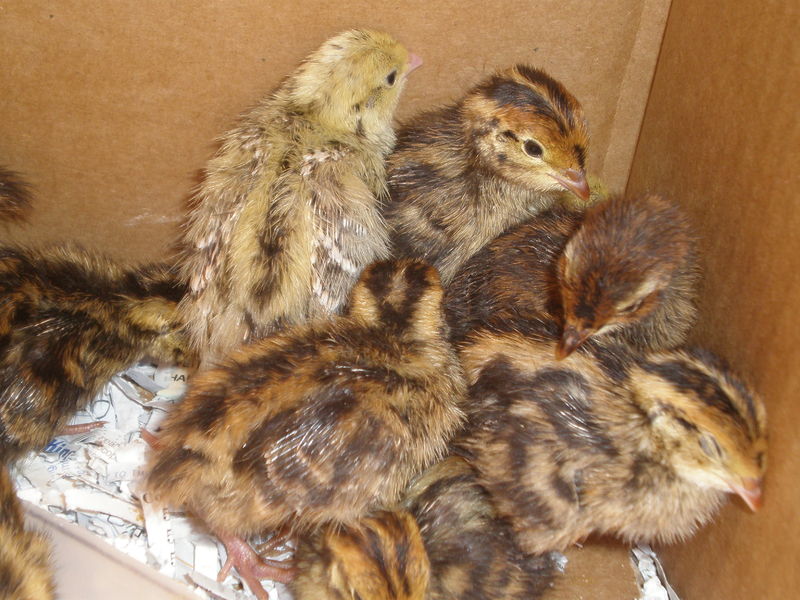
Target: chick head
x=711 y=426
x=402 y=295
x=383 y=558
x=353 y=82
x=615 y=269
x=528 y=129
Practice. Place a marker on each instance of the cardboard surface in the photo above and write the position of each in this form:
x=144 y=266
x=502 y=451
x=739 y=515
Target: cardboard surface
x=112 y=108
x=721 y=135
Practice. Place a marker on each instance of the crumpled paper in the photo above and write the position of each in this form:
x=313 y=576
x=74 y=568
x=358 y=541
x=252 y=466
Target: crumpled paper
x=650 y=574
x=94 y=480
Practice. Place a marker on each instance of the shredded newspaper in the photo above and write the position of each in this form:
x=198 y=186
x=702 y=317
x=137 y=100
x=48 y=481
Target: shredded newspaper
x=94 y=480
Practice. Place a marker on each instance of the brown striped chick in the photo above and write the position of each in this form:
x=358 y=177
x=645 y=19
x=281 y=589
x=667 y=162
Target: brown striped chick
x=642 y=447
x=463 y=174
x=623 y=270
x=381 y=558
x=444 y=542
x=318 y=423
x=25 y=572
x=472 y=551
x=288 y=214
x=15 y=197
x=69 y=320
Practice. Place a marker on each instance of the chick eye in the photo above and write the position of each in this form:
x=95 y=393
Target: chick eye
x=391 y=77
x=710 y=446
x=632 y=308
x=532 y=148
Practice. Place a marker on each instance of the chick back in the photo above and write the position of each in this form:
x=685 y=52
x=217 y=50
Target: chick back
x=324 y=420
x=569 y=448
x=472 y=550
x=382 y=558
x=69 y=320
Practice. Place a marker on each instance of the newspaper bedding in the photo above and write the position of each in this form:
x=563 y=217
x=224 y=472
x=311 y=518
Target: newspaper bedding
x=94 y=480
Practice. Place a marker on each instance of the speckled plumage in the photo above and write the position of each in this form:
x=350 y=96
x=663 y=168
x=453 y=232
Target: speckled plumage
x=623 y=270
x=69 y=320
x=472 y=550
x=382 y=558
x=288 y=213
x=463 y=174
x=320 y=422
x=25 y=572
x=15 y=197
x=608 y=441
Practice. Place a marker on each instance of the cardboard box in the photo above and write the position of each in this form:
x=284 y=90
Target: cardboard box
x=111 y=109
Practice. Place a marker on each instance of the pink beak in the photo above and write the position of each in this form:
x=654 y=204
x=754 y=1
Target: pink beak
x=749 y=491
x=570 y=340
x=414 y=61
x=574 y=181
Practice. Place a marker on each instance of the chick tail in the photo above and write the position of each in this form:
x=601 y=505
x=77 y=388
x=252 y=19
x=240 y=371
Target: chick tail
x=15 y=197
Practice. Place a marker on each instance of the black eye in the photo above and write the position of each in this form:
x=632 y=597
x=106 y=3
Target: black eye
x=391 y=77
x=532 y=148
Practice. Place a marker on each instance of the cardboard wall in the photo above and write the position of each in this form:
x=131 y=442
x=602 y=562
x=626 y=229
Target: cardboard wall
x=112 y=108
x=721 y=134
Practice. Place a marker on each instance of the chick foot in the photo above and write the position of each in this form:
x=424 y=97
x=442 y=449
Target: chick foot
x=81 y=428
x=251 y=567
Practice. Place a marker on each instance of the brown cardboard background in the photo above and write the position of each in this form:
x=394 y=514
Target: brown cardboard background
x=111 y=108
x=721 y=134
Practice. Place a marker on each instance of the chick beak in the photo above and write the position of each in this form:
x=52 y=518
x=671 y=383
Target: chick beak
x=414 y=61
x=570 y=340
x=574 y=181
x=750 y=491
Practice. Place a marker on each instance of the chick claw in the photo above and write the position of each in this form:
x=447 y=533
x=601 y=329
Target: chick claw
x=251 y=567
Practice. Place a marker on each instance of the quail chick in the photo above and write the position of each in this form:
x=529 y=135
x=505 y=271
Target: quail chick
x=444 y=542
x=69 y=320
x=472 y=551
x=615 y=442
x=318 y=423
x=288 y=214
x=382 y=558
x=15 y=197
x=25 y=572
x=463 y=174
x=623 y=270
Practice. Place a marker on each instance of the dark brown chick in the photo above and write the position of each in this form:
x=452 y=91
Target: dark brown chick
x=320 y=422
x=472 y=551
x=69 y=320
x=289 y=211
x=444 y=542
x=624 y=269
x=382 y=558
x=643 y=447
x=25 y=572
x=461 y=175
x=15 y=197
